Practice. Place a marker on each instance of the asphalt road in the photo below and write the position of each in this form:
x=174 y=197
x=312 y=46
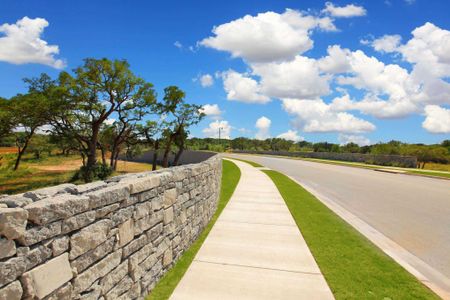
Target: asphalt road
x=412 y=211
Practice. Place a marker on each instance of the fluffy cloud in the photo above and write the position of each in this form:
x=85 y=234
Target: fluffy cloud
x=22 y=44
x=291 y=135
x=344 y=139
x=386 y=43
x=213 y=128
x=437 y=119
x=240 y=87
x=347 y=11
x=263 y=126
x=317 y=116
x=206 y=80
x=268 y=36
x=298 y=78
x=211 y=110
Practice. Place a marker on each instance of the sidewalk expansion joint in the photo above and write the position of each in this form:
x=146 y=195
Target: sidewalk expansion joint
x=255 y=223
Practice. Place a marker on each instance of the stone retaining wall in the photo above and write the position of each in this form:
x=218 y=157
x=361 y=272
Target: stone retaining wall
x=104 y=240
x=382 y=160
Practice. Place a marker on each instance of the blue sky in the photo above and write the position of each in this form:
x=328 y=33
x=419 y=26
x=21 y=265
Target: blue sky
x=394 y=84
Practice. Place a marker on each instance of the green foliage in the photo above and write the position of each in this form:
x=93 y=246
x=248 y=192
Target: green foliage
x=353 y=267
x=88 y=174
x=40 y=144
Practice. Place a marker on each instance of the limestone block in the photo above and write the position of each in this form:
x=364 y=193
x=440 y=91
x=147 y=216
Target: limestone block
x=89 y=237
x=157 y=203
x=37 y=256
x=126 y=232
x=122 y=215
x=63 y=293
x=133 y=293
x=170 y=197
x=89 y=187
x=13 y=222
x=167 y=258
x=154 y=232
x=147 y=222
x=7 y=248
x=138 y=185
x=60 y=245
x=135 y=245
x=55 y=208
x=82 y=262
x=12 y=291
x=142 y=209
x=11 y=269
x=46 y=278
x=116 y=275
x=124 y=285
x=101 y=212
x=39 y=233
x=168 y=215
x=109 y=195
x=78 y=221
x=49 y=191
x=16 y=201
x=84 y=280
x=137 y=271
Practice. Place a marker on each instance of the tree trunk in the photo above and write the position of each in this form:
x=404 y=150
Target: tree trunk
x=116 y=158
x=19 y=156
x=102 y=150
x=177 y=157
x=165 y=161
x=91 y=155
x=155 y=155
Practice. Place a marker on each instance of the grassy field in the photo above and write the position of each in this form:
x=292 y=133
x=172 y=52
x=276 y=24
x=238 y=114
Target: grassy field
x=48 y=171
x=353 y=267
x=164 y=288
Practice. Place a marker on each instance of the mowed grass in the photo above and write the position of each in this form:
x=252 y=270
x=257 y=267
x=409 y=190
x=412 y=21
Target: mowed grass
x=164 y=288
x=353 y=267
x=48 y=171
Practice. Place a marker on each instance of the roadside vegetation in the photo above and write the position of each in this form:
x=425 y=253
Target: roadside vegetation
x=353 y=267
x=430 y=157
x=165 y=287
x=98 y=111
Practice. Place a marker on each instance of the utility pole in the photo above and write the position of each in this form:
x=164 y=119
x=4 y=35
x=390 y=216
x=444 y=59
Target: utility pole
x=220 y=128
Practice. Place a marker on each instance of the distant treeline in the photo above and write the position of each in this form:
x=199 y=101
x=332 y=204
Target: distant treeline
x=437 y=153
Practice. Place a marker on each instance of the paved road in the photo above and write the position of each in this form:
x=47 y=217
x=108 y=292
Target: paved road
x=410 y=210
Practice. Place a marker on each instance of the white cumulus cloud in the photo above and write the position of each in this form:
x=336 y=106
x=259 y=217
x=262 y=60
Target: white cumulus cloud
x=263 y=126
x=206 y=80
x=437 y=119
x=213 y=128
x=360 y=140
x=347 y=11
x=386 y=43
x=21 y=43
x=268 y=36
x=291 y=135
x=211 y=110
x=240 y=87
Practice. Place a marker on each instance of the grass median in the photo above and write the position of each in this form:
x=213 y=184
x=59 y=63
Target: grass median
x=255 y=164
x=230 y=178
x=353 y=267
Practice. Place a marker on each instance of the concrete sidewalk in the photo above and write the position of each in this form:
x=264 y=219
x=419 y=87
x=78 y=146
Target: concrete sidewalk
x=254 y=251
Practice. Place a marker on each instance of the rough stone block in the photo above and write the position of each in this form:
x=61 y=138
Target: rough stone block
x=142 y=209
x=124 y=285
x=103 y=211
x=168 y=215
x=46 y=278
x=59 y=207
x=155 y=232
x=78 y=221
x=82 y=262
x=13 y=222
x=12 y=291
x=37 y=256
x=11 y=269
x=126 y=232
x=60 y=245
x=108 y=195
x=39 y=233
x=49 y=191
x=116 y=275
x=122 y=215
x=89 y=187
x=138 y=185
x=63 y=293
x=167 y=258
x=7 y=248
x=15 y=201
x=147 y=222
x=89 y=237
x=170 y=197
x=84 y=280
x=135 y=245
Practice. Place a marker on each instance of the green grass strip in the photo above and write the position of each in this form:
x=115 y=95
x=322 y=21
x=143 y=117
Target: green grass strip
x=353 y=267
x=164 y=288
x=256 y=165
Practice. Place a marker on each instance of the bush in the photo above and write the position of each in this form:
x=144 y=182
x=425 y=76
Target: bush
x=98 y=171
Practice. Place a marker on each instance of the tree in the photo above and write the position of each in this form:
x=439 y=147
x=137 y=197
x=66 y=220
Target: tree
x=180 y=116
x=6 y=119
x=148 y=133
x=29 y=112
x=95 y=92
